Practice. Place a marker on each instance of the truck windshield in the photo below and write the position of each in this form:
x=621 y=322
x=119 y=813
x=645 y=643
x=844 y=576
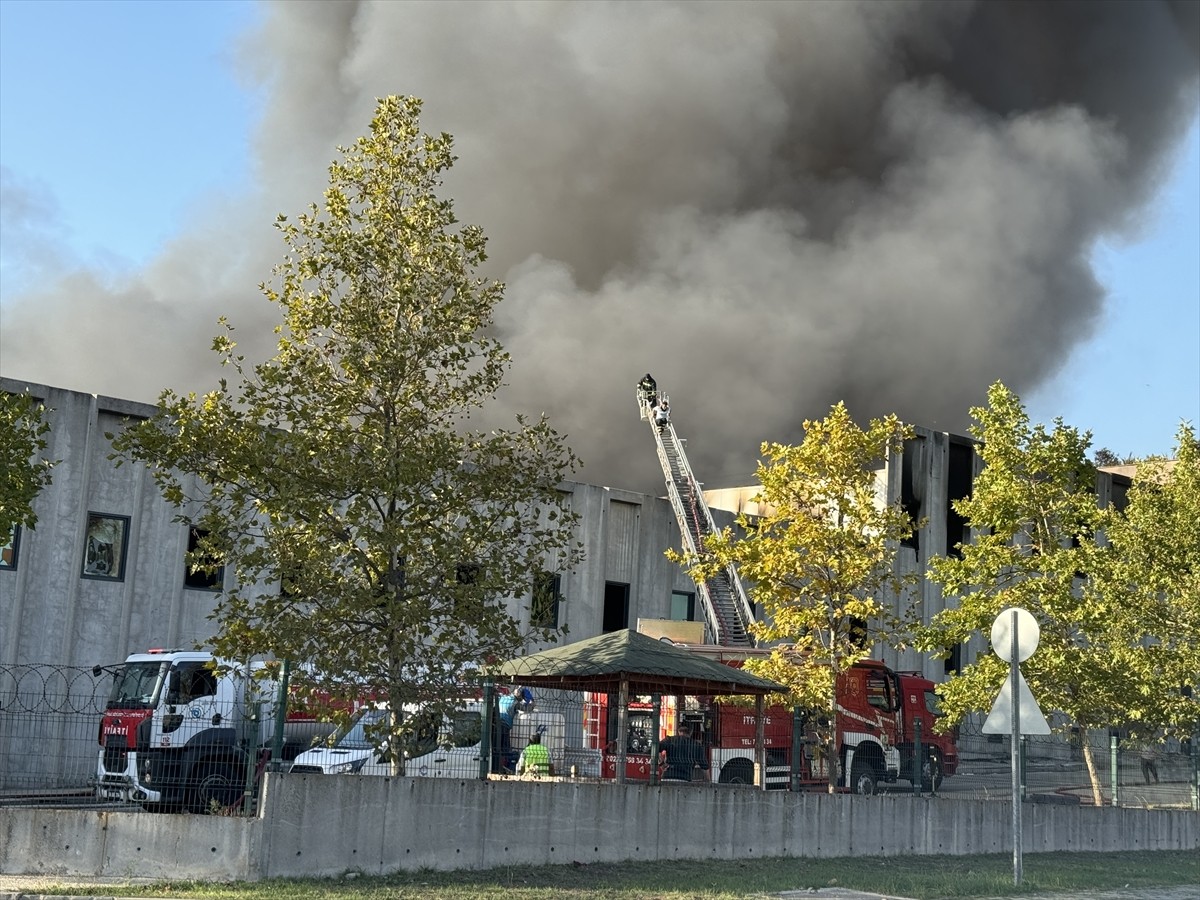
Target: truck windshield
x=933 y=703
x=137 y=685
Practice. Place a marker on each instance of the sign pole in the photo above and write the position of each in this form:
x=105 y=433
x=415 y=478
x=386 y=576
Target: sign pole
x=1015 y=676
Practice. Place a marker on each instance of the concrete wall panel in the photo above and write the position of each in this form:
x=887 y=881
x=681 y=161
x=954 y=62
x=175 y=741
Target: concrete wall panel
x=325 y=826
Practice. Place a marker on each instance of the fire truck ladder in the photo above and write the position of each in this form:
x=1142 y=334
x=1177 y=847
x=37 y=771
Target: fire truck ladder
x=727 y=610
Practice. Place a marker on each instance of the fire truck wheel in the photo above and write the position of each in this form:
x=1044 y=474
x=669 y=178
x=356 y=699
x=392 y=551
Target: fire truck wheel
x=931 y=774
x=737 y=771
x=217 y=788
x=863 y=779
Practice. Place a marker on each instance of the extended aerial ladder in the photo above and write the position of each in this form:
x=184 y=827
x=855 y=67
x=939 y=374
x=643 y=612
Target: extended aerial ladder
x=727 y=610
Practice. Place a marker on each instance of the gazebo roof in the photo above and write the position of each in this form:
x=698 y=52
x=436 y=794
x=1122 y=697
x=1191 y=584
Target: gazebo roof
x=647 y=665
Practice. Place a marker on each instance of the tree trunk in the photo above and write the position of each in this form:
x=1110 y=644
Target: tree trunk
x=1090 y=760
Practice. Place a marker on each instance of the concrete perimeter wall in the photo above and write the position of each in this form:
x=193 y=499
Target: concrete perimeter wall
x=321 y=825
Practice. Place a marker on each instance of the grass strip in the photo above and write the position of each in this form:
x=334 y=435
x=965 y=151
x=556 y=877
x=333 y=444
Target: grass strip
x=918 y=877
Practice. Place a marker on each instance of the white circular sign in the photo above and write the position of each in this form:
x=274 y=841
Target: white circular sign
x=1027 y=629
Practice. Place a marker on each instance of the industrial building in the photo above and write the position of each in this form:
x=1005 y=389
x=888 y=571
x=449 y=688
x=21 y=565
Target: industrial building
x=104 y=572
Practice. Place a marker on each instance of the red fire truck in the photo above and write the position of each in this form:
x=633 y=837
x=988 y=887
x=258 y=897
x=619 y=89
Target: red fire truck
x=882 y=717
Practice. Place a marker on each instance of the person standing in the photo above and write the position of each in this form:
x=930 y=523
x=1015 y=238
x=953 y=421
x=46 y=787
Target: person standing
x=649 y=390
x=503 y=757
x=682 y=755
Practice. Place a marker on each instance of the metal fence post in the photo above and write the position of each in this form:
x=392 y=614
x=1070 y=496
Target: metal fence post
x=918 y=762
x=1194 y=755
x=797 y=747
x=251 y=747
x=1112 y=752
x=485 y=739
x=281 y=709
x=655 y=720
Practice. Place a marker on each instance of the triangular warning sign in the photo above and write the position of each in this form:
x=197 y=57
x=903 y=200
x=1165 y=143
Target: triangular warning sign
x=999 y=720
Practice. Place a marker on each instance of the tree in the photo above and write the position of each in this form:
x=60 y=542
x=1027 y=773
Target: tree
x=23 y=472
x=1106 y=457
x=821 y=559
x=1039 y=545
x=1152 y=567
x=343 y=471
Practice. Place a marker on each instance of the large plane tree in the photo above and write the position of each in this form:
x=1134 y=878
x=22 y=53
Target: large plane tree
x=1114 y=593
x=821 y=561
x=368 y=532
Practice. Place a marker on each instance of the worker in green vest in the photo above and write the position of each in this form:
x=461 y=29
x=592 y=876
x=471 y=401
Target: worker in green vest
x=535 y=758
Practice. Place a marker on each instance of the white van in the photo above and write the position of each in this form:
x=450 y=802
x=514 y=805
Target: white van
x=446 y=749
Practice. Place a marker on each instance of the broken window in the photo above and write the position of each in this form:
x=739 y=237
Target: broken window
x=203 y=571
x=547 y=594
x=960 y=475
x=912 y=488
x=9 y=548
x=104 y=547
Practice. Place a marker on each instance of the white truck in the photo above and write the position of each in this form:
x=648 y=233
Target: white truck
x=441 y=747
x=184 y=731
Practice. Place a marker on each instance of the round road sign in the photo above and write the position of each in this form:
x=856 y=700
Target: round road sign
x=1028 y=634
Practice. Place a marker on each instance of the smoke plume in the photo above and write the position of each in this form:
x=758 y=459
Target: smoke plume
x=769 y=206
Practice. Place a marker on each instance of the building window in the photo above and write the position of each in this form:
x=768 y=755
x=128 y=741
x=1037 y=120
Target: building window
x=547 y=594
x=683 y=606
x=616 y=606
x=201 y=572
x=104 y=547
x=467 y=580
x=912 y=488
x=8 y=549
x=961 y=470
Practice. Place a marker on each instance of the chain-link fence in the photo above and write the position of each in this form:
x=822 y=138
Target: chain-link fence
x=66 y=735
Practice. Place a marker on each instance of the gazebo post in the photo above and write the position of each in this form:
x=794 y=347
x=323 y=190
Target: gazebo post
x=622 y=727
x=760 y=752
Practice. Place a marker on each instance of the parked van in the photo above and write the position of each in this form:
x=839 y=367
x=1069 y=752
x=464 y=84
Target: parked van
x=441 y=747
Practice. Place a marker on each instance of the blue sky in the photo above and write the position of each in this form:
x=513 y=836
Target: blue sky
x=91 y=91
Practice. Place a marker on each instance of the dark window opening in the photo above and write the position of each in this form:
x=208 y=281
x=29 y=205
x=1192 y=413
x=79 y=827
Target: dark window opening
x=959 y=478
x=466 y=576
x=683 y=606
x=616 y=606
x=912 y=488
x=202 y=572
x=547 y=594
x=856 y=632
x=953 y=662
x=1120 y=493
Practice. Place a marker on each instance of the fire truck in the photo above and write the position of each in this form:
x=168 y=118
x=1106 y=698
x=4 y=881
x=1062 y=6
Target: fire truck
x=883 y=727
x=883 y=731
x=183 y=730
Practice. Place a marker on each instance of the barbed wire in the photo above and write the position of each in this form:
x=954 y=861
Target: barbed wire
x=50 y=688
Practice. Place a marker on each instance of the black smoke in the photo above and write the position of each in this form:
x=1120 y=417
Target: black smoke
x=770 y=206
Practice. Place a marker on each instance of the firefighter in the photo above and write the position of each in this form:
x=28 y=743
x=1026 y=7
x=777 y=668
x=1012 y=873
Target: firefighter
x=649 y=390
x=682 y=755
